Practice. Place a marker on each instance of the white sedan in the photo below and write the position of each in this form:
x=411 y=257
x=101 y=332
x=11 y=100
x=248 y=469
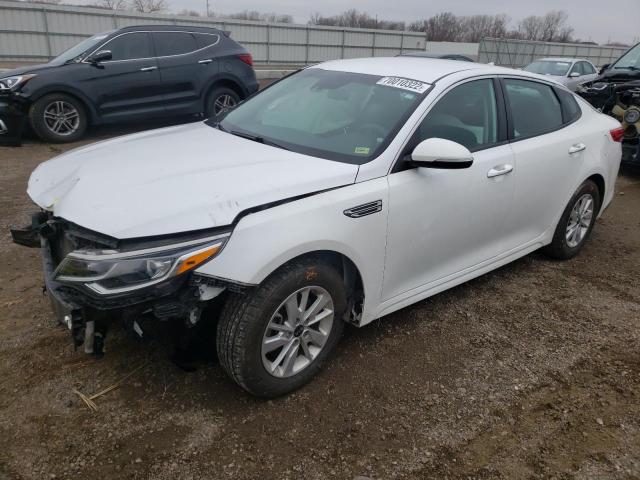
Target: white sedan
x=570 y=72
x=341 y=193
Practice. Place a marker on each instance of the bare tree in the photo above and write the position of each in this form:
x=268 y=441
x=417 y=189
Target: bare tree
x=477 y=27
x=189 y=13
x=113 y=4
x=256 y=16
x=149 y=6
x=551 y=27
x=356 y=19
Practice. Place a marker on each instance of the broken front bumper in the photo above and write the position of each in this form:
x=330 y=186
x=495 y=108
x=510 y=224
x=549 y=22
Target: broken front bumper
x=13 y=119
x=88 y=316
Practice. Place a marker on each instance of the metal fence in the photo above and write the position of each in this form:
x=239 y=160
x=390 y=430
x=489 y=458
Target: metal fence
x=518 y=53
x=33 y=32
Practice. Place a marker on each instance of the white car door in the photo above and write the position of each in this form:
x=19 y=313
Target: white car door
x=549 y=148
x=444 y=221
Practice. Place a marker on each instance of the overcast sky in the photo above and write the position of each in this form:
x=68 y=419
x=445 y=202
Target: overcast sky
x=597 y=20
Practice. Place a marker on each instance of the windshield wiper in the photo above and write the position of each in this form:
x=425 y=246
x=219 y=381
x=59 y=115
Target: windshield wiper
x=254 y=138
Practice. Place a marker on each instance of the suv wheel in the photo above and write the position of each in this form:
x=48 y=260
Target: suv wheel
x=220 y=100
x=276 y=338
x=58 y=118
x=576 y=222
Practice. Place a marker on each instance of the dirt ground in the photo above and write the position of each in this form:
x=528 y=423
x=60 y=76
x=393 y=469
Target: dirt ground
x=532 y=371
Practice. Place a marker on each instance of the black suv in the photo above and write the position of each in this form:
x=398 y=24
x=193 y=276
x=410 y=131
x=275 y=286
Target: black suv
x=131 y=74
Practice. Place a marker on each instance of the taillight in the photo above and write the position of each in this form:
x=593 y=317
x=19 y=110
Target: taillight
x=246 y=58
x=617 y=134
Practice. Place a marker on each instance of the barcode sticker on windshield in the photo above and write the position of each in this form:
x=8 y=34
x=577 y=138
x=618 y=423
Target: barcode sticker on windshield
x=404 y=83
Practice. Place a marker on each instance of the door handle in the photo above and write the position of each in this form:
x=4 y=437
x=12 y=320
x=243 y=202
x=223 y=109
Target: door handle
x=578 y=147
x=204 y=62
x=499 y=170
x=148 y=69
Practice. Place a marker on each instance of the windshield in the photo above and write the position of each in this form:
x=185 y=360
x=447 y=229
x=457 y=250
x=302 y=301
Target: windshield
x=342 y=116
x=630 y=60
x=75 y=53
x=548 y=67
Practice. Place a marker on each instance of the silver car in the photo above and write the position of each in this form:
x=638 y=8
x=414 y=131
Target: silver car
x=569 y=71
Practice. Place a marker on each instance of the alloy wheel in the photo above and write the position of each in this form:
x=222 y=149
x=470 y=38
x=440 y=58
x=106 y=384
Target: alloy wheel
x=579 y=220
x=297 y=331
x=222 y=103
x=62 y=118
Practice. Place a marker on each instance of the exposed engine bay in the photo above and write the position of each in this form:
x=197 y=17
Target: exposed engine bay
x=616 y=92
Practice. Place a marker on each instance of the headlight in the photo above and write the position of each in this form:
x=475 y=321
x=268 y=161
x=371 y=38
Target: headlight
x=108 y=272
x=9 y=83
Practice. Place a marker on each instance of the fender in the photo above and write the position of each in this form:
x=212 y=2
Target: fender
x=225 y=76
x=94 y=118
x=264 y=241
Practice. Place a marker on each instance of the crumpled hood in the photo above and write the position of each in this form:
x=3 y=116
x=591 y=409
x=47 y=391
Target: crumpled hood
x=175 y=179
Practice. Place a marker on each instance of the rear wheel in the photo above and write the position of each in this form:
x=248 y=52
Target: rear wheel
x=58 y=118
x=220 y=100
x=576 y=222
x=276 y=338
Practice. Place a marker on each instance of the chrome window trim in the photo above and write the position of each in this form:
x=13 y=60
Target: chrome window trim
x=101 y=47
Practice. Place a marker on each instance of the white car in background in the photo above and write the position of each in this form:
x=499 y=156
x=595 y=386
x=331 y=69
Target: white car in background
x=340 y=194
x=570 y=72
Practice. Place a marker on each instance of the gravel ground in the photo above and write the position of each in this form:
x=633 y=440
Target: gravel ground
x=532 y=371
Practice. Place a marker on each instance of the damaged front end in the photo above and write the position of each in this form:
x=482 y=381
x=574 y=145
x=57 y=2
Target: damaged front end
x=621 y=100
x=93 y=279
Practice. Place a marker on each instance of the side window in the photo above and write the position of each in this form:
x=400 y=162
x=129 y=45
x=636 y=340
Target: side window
x=206 y=40
x=577 y=68
x=534 y=107
x=570 y=106
x=588 y=68
x=466 y=115
x=173 y=43
x=129 y=46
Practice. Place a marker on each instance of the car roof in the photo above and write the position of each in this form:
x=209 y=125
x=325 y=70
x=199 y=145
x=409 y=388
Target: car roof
x=431 y=55
x=427 y=70
x=170 y=28
x=561 y=59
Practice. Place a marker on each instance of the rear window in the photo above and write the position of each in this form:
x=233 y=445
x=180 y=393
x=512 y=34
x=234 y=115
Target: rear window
x=535 y=108
x=174 y=43
x=206 y=39
x=570 y=108
x=130 y=46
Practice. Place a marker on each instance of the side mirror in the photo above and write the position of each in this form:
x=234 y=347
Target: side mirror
x=574 y=75
x=101 y=56
x=604 y=68
x=441 y=153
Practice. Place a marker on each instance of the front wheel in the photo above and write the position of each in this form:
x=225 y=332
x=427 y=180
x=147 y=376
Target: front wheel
x=276 y=338
x=58 y=118
x=576 y=222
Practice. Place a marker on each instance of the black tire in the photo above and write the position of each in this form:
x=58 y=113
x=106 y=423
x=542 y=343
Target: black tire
x=244 y=320
x=44 y=130
x=558 y=248
x=218 y=94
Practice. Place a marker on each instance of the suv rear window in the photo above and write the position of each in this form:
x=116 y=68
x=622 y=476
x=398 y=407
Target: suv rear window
x=205 y=39
x=173 y=43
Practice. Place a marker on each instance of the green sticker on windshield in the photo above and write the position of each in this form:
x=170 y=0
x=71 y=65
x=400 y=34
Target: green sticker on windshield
x=362 y=150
